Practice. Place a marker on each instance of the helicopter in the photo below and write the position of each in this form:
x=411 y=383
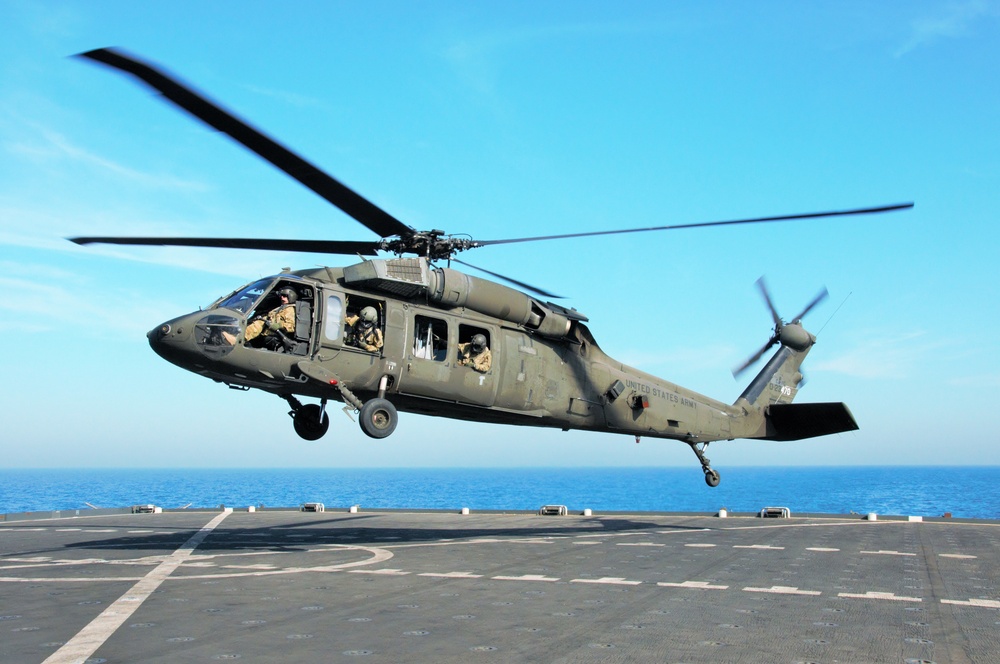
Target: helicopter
x=409 y=333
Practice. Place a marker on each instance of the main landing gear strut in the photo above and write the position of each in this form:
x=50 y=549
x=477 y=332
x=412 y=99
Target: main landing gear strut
x=711 y=476
x=377 y=416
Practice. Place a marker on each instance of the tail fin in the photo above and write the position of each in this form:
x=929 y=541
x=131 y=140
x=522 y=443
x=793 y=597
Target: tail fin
x=778 y=381
x=806 y=420
x=772 y=391
x=767 y=401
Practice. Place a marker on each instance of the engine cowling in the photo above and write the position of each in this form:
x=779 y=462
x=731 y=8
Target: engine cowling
x=457 y=289
x=415 y=277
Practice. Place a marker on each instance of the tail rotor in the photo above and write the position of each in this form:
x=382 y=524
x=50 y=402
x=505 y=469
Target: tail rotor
x=790 y=334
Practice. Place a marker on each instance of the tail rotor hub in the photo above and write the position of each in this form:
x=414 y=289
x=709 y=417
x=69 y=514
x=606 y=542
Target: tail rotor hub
x=790 y=335
x=796 y=337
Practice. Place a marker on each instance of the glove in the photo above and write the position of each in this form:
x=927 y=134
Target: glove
x=274 y=326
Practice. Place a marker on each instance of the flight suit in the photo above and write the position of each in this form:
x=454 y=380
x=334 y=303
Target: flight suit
x=480 y=362
x=283 y=316
x=369 y=339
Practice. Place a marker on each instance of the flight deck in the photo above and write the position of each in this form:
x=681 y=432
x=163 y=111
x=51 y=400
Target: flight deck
x=395 y=586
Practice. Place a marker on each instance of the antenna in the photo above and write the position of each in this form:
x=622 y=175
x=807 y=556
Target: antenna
x=834 y=313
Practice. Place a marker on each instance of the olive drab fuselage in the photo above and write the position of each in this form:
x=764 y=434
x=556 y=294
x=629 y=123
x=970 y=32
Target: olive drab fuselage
x=565 y=381
x=547 y=370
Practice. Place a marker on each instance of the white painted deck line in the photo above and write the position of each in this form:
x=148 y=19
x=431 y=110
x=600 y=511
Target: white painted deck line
x=783 y=590
x=983 y=603
x=526 y=577
x=876 y=595
x=90 y=638
x=611 y=580
x=888 y=553
x=694 y=585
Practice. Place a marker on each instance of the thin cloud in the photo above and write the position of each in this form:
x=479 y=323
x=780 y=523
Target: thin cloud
x=55 y=146
x=476 y=59
x=980 y=381
x=956 y=20
x=47 y=230
x=886 y=357
x=290 y=98
x=78 y=308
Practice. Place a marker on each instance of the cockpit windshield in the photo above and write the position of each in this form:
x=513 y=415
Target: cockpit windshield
x=245 y=298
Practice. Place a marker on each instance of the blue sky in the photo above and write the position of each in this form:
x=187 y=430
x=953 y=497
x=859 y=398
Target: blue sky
x=506 y=120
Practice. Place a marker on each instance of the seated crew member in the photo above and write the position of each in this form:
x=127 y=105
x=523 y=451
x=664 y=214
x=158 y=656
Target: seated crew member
x=476 y=354
x=282 y=317
x=362 y=331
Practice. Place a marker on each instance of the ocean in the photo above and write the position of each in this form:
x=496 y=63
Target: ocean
x=969 y=492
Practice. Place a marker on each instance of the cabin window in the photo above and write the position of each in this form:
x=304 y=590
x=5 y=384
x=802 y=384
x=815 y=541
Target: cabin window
x=334 y=317
x=466 y=332
x=430 y=339
x=364 y=324
x=470 y=354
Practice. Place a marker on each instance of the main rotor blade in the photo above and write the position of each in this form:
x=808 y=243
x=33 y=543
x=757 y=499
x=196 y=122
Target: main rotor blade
x=352 y=203
x=520 y=284
x=733 y=222
x=309 y=246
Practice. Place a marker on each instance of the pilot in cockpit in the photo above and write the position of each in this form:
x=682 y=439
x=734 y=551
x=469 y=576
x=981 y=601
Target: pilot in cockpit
x=279 y=319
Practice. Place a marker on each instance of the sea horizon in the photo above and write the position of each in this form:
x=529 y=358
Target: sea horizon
x=963 y=491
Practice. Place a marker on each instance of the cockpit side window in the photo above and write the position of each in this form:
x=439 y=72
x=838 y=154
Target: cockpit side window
x=281 y=321
x=245 y=298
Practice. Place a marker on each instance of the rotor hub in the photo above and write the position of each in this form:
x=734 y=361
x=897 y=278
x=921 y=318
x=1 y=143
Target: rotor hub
x=434 y=244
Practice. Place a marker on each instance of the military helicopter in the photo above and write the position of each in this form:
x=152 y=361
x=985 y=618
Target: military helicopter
x=408 y=334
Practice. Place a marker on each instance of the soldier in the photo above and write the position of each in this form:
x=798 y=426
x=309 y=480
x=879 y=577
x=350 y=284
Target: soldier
x=476 y=354
x=363 y=332
x=282 y=317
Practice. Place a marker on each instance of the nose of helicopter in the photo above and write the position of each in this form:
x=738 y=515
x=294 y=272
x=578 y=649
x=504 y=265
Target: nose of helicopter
x=196 y=339
x=157 y=333
x=172 y=340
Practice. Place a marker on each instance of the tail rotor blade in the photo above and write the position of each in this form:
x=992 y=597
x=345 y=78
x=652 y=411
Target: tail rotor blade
x=752 y=360
x=822 y=295
x=779 y=324
x=762 y=285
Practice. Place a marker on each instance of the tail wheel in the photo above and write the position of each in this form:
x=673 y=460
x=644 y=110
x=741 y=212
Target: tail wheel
x=307 y=422
x=712 y=478
x=378 y=418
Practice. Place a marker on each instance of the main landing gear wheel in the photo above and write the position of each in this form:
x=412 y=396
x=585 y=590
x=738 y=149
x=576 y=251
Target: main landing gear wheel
x=308 y=424
x=712 y=478
x=378 y=418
